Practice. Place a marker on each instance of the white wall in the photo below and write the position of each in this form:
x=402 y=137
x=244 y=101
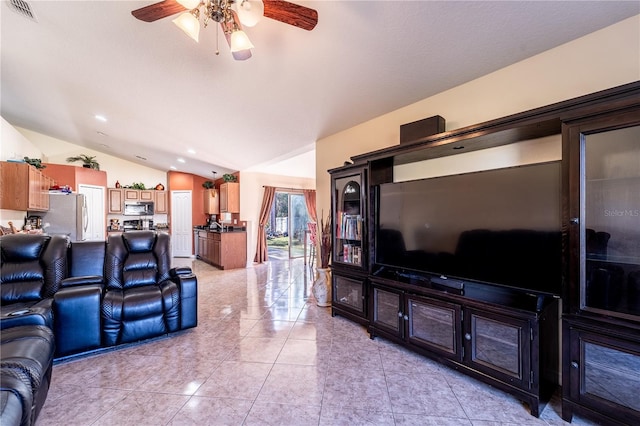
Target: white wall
x=601 y=60
x=251 y=195
x=126 y=172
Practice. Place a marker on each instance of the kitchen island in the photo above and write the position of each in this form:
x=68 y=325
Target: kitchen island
x=223 y=249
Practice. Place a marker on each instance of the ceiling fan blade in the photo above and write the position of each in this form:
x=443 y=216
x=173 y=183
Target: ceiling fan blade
x=292 y=14
x=159 y=10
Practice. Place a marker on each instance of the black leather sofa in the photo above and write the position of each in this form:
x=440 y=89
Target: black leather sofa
x=61 y=299
x=122 y=292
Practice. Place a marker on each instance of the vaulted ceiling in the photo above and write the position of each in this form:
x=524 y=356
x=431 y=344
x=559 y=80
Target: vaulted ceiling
x=163 y=94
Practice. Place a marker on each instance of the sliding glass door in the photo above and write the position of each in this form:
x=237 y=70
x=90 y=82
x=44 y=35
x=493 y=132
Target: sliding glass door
x=286 y=235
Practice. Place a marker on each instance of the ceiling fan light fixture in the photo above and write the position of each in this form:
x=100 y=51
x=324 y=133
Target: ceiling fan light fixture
x=240 y=41
x=189 y=4
x=250 y=12
x=189 y=24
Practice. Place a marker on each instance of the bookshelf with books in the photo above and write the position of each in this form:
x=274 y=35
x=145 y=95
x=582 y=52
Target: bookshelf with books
x=349 y=256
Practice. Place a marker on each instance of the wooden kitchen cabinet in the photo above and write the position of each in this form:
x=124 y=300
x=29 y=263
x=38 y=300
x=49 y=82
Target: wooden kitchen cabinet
x=230 y=197
x=226 y=250
x=211 y=201
x=138 y=195
x=116 y=201
x=131 y=194
x=161 y=204
x=23 y=187
x=146 y=195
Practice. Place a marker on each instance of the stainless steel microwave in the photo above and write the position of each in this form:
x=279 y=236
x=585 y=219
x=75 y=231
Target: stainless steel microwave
x=138 y=208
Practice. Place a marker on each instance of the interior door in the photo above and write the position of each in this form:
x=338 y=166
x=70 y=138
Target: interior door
x=95 y=215
x=181 y=224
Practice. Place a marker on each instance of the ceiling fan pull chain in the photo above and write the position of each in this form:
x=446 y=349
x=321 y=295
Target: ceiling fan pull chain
x=217 y=39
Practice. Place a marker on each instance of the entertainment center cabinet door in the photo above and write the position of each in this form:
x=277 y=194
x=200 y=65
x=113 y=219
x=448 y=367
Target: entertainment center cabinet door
x=499 y=346
x=386 y=312
x=435 y=325
x=348 y=212
x=348 y=293
x=604 y=372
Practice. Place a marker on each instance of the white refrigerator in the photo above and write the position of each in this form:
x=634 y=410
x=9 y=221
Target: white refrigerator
x=67 y=215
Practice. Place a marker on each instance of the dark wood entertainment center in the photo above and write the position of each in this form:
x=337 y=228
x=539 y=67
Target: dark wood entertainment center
x=506 y=337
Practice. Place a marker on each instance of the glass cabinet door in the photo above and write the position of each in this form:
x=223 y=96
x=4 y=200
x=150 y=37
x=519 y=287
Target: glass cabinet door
x=607 y=372
x=387 y=310
x=349 y=293
x=610 y=222
x=498 y=345
x=348 y=220
x=434 y=325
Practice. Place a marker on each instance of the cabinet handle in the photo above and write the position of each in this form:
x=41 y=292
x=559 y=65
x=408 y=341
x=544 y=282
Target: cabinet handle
x=467 y=336
x=574 y=220
x=406 y=318
x=574 y=364
x=399 y=314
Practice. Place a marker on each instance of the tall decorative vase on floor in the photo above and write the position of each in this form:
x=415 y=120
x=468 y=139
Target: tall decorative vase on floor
x=322 y=287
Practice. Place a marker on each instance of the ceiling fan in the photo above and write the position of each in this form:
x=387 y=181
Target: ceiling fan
x=246 y=12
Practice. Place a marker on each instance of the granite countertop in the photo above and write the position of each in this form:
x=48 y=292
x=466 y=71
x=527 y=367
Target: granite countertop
x=218 y=231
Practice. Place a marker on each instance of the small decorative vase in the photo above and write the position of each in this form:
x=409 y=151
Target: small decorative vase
x=322 y=287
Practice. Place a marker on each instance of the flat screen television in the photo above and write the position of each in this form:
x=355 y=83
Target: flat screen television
x=499 y=226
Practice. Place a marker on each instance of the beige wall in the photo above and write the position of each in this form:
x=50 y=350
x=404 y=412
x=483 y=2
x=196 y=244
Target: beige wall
x=601 y=60
x=13 y=144
x=251 y=195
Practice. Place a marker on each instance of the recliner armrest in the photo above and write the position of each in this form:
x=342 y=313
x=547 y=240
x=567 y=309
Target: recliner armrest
x=183 y=270
x=76 y=281
x=77 y=318
x=188 y=286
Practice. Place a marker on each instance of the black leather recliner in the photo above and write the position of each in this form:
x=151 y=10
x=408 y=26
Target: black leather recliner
x=143 y=296
x=32 y=268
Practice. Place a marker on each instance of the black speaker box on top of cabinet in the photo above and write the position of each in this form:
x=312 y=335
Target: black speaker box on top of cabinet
x=412 y=132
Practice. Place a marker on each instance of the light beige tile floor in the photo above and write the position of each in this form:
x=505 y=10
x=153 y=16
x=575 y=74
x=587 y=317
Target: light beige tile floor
x=264 y=354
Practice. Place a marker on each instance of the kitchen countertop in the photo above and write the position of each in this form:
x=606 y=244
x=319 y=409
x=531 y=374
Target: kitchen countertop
x=217 y=231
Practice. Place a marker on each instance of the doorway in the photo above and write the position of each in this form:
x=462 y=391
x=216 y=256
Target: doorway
x=287 y=226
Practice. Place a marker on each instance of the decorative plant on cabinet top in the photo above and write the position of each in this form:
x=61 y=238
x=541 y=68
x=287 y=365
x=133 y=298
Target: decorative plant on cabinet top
x=88 y=161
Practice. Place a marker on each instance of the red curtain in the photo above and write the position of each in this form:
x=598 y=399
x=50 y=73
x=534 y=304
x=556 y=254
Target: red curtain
x=310 y=200
x=261 y=250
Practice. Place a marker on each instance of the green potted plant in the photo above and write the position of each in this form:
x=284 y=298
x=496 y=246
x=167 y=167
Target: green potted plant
x=35 y=162
x=88 y=161
x=207 y=184
x=228 y=177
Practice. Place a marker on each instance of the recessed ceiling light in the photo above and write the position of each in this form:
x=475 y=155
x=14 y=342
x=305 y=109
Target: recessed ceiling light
x=101 y=118
x=191 y=151
x=181 y=160
x=173 y=168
